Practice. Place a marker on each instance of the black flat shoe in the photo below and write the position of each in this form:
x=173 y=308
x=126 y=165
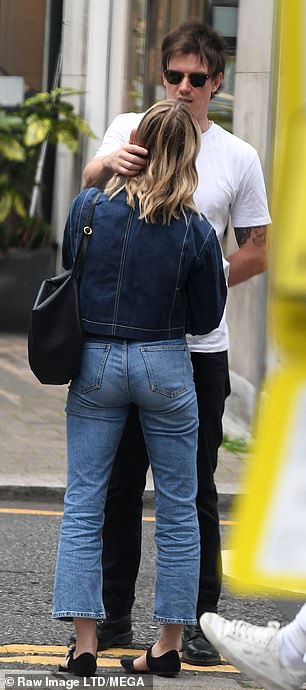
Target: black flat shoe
x=167 y=665
x=84 y=665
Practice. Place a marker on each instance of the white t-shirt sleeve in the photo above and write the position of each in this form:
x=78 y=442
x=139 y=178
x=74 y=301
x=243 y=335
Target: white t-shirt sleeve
x=118 y=133
x=250 y=207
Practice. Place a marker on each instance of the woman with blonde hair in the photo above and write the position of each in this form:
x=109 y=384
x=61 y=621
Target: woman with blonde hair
x=153 y=272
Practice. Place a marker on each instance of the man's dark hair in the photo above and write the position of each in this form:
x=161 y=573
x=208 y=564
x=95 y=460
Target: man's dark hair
x=199 y=39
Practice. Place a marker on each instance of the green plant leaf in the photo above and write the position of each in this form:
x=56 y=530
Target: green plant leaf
x=73 y=125
x=65 y=136
x=46 y=116
x=41 y=97
x=6 y=203
x=235 y=445
x=19 y=206
x=45 y=97
x=11 y=149
x=37 y=130
x=62 y=91
x=83 y=127
x=9 y=122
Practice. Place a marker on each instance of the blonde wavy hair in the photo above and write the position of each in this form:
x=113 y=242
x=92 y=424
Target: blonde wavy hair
x=165 y=187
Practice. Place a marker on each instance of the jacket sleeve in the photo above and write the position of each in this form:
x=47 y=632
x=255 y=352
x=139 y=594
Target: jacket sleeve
x=206 y=288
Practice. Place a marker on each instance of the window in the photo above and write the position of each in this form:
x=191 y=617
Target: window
x=223 y=17
x=136 y=56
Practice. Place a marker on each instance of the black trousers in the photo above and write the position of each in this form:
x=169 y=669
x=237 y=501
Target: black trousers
x=123 y=512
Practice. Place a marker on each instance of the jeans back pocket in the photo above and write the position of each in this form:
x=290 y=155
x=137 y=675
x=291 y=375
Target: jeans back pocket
x=92 y=367
x=167 y=367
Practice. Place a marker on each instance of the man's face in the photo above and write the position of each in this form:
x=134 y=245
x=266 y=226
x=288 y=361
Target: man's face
x=196 y=98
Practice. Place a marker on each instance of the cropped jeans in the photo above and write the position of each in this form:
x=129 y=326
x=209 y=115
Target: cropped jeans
x=158 y=378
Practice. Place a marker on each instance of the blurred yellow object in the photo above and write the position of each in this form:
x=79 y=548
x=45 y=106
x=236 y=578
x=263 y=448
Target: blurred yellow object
x=289 y=259
x=269 y=539
x=288 y=276
x=269 y=543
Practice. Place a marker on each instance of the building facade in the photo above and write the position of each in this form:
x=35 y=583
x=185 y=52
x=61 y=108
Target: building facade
x=109 y=51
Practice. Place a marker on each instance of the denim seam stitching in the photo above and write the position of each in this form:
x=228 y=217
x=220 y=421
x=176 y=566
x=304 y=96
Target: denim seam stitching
x=133 y=328
x=121 y=269
x=178 y=278
x=211 y=229
x=100 y=372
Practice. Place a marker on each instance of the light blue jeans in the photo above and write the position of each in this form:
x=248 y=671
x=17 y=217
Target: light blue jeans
x=158 y=377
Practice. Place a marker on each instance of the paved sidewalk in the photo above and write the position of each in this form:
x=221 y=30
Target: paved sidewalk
x=32 y=433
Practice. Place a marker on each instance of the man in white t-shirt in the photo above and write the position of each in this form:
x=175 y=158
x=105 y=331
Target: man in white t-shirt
x=231 y=186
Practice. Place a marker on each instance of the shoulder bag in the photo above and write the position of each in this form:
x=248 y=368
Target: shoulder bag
x=55 y=335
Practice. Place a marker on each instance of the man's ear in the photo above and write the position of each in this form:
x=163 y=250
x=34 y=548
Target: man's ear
x=132 y=135
x=216 y=82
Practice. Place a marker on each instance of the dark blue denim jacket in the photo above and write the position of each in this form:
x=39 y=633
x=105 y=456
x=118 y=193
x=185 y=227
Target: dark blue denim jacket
x=145 y=281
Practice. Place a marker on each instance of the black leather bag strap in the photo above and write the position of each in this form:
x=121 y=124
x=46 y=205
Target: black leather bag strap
x=87 y=232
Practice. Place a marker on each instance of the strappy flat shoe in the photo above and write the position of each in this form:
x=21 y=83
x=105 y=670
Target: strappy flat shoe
x=84 y=665
x=167 y=664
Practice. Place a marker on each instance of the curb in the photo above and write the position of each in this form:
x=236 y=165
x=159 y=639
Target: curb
x=55 y=494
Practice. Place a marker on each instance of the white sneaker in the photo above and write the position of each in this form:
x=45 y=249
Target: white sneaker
x=253 y=650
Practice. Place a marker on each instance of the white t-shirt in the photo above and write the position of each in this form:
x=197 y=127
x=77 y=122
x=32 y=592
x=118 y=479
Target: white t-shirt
x=231 y=185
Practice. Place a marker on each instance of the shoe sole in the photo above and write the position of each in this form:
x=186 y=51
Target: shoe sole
x=255 y=674
x=117 y=641
x=201 y=662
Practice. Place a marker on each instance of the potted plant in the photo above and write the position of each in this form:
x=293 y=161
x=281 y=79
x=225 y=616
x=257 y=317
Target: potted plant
x=27 y=243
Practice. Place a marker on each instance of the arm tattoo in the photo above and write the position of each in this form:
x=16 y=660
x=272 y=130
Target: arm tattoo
x=257 y=235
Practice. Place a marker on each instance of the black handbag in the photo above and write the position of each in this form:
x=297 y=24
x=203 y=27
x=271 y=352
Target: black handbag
x=55 y=335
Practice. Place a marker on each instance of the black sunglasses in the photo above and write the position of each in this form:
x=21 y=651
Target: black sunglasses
x=197 y=79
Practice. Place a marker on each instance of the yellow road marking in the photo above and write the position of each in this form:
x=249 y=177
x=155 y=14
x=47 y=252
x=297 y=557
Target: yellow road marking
x=48 y=655
x=32 y=648
x=106 y=663
x=29 y=511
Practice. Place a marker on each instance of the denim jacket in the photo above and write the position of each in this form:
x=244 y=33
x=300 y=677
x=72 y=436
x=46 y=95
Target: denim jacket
x=145 y=281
